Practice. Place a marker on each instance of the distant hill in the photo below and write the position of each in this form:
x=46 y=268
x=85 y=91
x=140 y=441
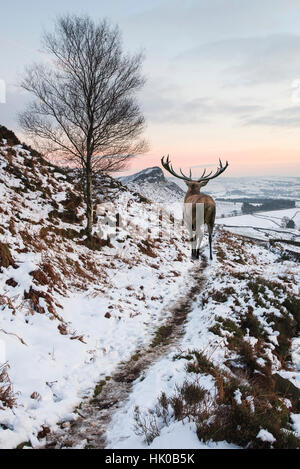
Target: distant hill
x=153 y=184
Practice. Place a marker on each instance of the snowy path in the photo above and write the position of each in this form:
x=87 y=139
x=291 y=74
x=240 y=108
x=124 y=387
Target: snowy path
x=88 y=431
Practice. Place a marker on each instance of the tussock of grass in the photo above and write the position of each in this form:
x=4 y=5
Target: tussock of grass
x=239 y=422
x=161 y=335
x=5 y=256
x=188 y=402
x=7 y=395
x=99 y=387
x=135 y=357
x=200 y=364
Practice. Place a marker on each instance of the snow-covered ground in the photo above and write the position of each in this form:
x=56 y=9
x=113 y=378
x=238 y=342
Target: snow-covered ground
x=63 y=329
x=170 y=372
x=266 y=226
x=228 y=209
x=271 y=220
x=70 y=314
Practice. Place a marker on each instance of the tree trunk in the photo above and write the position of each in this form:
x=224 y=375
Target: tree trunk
x=89 y=203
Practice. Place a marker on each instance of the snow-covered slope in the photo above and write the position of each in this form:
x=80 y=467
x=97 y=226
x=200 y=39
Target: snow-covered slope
x=152 y=183
x=72 y=312
x=233 y=379
x=69 y=314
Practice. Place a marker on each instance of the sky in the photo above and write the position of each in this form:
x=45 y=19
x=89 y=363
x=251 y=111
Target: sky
x=223 y=76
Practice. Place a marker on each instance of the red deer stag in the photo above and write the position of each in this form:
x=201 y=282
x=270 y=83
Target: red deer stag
x=199 y=208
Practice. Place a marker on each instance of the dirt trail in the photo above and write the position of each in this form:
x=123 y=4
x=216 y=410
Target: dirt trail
x=95 y=414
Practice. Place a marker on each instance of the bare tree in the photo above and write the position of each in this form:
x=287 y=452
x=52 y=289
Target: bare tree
x=85 y=107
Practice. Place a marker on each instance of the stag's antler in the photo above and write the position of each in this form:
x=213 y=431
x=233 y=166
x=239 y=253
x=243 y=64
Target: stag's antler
x=167 y=165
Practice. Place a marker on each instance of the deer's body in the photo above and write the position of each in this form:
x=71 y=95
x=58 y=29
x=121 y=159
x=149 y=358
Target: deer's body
x=207 y=209
x=199 y=208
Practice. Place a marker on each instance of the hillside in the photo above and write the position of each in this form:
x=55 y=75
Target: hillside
x=232 y=380
x=69 y=314
x=153 y=184
x=125 y=342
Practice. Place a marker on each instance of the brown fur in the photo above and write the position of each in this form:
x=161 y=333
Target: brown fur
x=194 y=196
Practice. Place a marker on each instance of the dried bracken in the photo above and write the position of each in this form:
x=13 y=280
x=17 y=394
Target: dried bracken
x=7 y=395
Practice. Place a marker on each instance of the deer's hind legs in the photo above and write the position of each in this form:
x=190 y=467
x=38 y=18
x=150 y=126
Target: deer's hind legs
x=199 y=238
x=195 y=254
x=210 y=231
x=193 y=240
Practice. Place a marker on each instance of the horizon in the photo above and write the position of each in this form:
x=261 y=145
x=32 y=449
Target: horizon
x=131 y=172
x=219 y=85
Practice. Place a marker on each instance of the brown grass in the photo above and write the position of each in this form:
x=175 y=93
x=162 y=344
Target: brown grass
x=145 y=247
x=34 y=301
x=5 y=256
x=7 y=395
x=240 y=422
